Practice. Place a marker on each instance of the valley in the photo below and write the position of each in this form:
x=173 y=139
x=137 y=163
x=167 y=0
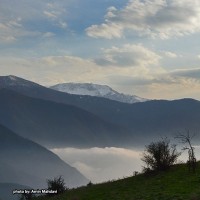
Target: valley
x=98 y=139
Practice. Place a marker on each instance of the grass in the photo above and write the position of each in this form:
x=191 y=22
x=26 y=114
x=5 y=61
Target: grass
x=175 y=184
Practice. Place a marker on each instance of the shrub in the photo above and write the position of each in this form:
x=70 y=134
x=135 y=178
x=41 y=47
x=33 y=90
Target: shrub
x=57 y=184
x=160 y=155
x=89 y=184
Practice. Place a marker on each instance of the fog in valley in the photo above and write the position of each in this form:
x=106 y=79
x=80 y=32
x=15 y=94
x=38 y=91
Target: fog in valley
x=104 y=164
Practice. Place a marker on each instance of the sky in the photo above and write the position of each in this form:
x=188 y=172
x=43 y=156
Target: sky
x=150 y=48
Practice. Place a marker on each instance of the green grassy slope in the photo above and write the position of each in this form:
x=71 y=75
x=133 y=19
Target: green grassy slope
x=175 y=184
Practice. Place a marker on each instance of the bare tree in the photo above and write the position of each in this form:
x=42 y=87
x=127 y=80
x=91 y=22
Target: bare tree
x=186 y=139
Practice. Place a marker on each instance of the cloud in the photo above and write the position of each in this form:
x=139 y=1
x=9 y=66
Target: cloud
x=56 y=13
x=48 y=34
x=156 y=18
x=51 y=15
x=62 y=24
x=143 y=79
x=11 y=30
x=128 y=55
x=102 y=164
x=52 y=69
x=30 y=19
x=10 y=34
x=171 y=54
x=182 y=83
x=187 y=73
x=123 y=60
x=108 y=31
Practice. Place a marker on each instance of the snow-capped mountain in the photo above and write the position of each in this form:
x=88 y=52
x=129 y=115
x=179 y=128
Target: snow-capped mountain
x=96 y=90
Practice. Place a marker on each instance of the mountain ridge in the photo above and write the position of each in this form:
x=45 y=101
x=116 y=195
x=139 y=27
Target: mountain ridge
x=142 y=121
x=28 y=163
x=54 y=124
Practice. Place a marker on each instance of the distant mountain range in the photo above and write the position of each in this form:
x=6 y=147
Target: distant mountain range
x=96 y=90
x=90 y=120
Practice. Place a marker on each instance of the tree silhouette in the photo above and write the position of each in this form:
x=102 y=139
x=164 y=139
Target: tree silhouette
x=160 y=155
x=57 y=184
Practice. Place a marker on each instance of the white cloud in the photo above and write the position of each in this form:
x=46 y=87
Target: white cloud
x=11 y=30
x=51 y=15
x=156 y=18
x=62 y=24
x=48 y=34
x=29 y=19
x=108 y=31
x=56 y=13
x=171 y=54
x=129 y=55
x=54 y=10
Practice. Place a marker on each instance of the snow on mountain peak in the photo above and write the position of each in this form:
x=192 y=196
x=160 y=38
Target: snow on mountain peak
x=96 y=90
x=84 y=89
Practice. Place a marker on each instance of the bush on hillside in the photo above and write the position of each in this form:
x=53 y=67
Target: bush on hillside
x=160 y=155
x=57 y=184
